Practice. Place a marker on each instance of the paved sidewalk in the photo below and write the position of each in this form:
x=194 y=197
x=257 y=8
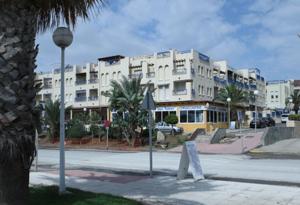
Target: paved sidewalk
x=167 y=190
x=245 y=143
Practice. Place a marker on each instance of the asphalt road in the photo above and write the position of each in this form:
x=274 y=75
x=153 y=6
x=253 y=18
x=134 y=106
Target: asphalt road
x=219 y=166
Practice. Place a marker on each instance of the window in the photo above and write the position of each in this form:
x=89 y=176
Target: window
x=114 y=75
x=191 y=116
x=276 y=96
x=119 y=75
x=202 y=70
x=106 y=79
x=202 y=90
x=272 y=96
x=199 y=115
x=183 y=116
x=161 y=115
x=207 y=91
x=215 y=116
x=199 y=69
x=199 y=89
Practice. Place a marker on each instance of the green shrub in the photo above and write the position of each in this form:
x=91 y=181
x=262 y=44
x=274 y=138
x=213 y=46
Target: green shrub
x=171 y=119
x=294 y=117
x=76 y=129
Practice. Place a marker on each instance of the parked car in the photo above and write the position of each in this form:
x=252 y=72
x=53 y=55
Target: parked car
x=260 y=123
x=284 y=118
x=270 y=122
x=167 y=128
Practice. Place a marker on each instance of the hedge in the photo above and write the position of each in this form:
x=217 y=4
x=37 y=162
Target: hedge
x=294 y=117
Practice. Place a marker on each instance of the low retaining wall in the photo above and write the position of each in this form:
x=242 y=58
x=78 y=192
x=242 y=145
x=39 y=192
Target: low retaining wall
x=217 y=135
x=275 y=134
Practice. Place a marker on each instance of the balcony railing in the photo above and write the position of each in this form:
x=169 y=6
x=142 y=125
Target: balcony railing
x=47 y=86
x=253 y=87
x=150 y=74
x=93 y=98
x=80 y=82
x=179 y=71
x=80 y=99
x=92 y=81
x=180 y=92
x=135 y=75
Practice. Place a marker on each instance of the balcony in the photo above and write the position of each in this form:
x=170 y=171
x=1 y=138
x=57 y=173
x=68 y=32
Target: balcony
x=253 y=87
x=80 y=82
x=220 y=80
x=93 y=81
x=180 y=92
x=93 y=98
x=150 y=74
x=179 y=71
x=80 y=99
x=47 y=86
x=135 y=75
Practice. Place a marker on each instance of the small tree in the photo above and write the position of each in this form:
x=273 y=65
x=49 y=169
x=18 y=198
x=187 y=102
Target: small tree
x=172 y=120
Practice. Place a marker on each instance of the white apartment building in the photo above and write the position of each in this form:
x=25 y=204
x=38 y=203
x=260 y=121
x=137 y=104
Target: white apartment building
x=184 y=84
x=277 y=93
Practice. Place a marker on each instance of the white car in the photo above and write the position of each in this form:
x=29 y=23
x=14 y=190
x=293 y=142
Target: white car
x=284 y=118
x=164 y=127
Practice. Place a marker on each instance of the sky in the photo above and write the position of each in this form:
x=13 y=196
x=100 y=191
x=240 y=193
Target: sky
x=247 y=33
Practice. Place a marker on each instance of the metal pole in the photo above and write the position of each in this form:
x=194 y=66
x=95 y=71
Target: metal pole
x=62 y=186
x=37 y=149
x=228 y=115
x=255 y=117
x=107 y=137
x=150 y=139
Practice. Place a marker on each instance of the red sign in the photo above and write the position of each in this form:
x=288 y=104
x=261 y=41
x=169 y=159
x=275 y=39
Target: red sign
x=107 y=123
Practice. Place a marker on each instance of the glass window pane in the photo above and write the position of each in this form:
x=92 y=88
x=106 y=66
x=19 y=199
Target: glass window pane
x=191 y=114
x=157 y=116
x=211 y=116
x=183 y=116
x=165 y=114
x=172 y=112
x=199 y=116
x=215 y=116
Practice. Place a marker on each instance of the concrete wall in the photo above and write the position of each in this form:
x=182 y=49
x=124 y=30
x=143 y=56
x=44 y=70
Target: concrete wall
x=275 y=134
x=217 y=135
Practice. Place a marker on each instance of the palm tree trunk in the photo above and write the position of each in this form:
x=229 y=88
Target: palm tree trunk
x=17 y=97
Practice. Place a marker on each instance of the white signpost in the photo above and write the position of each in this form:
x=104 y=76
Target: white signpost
x=149 y=104
x=189 y=156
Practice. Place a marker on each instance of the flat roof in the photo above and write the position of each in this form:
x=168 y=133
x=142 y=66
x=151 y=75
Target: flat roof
x=110 y=58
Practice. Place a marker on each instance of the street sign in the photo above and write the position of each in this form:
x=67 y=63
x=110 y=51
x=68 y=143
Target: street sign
x=189 y=156
x=148 y=102
x=107 y=123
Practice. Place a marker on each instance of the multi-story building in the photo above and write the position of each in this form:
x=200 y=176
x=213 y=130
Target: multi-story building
x=278 y=91
x=277 y=94
x=184 y=83
x=297 y=85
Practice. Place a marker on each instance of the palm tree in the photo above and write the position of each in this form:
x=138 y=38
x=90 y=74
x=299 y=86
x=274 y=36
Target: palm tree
x=126 y=97
x=296 y=100
x=52 y=118
x=237 y=96
x=20 y=21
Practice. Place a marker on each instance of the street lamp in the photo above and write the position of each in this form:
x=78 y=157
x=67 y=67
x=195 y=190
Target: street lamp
x=228 y=101
x=63 y=38
x=255 y=94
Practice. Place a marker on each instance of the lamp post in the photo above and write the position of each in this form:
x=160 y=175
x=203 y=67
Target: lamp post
x=255 y=95
x=63 y=38
x=228 y=101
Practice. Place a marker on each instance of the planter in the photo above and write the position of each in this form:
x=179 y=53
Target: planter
x=293 y=123
x=296 y=125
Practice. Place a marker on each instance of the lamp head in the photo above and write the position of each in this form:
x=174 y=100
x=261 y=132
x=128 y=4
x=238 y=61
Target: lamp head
x=62 y=37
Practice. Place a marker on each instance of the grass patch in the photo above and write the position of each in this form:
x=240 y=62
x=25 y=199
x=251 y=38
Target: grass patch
x=47 y=195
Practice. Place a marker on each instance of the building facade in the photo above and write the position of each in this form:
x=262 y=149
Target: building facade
x=184 y=83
